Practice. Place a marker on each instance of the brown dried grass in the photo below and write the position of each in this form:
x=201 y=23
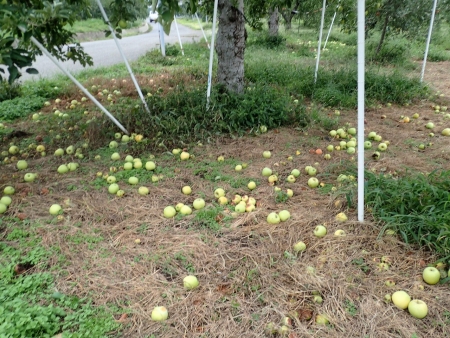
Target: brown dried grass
x=246 y=280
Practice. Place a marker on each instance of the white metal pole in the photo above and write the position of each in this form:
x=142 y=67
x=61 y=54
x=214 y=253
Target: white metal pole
x=78 y=84
x=329 y=31
x=201 y=27
x=161 y=39
x=430 y=30
x=211 y=53
x=178 y=33
x=123 y=56
x=320 y=40
x=361 y=96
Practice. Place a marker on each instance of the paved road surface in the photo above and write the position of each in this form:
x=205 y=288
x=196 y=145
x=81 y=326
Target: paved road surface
x=105 y=52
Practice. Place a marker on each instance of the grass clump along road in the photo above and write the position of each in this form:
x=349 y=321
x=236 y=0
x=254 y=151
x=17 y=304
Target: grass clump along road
x=124 y=232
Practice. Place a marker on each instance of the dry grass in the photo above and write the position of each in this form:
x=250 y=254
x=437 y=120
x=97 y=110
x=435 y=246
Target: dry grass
x=249 y=275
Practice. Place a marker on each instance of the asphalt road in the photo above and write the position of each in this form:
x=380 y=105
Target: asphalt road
x=106 y=53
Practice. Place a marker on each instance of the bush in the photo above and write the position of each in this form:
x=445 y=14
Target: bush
x=182 y=115
x=267 y=41
x=8 y=91
x=416 y=205
x=393 y=51
x=20 y=107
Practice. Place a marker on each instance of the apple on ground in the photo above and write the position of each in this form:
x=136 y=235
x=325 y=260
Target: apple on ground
x=199 y=203
x=240 y=207
x=22 y=164
x=222 y=200
x=266 y=172
x=219 y=192
x=238 y=167
x=29 y=177
x=169 y=211
x=55 y=209
x=299 y=246
x=284 y=215
x=185 y=210
x=418 y=308
x=3 y=208
x=339 y=233
x=313 y=182
x=184 y=156
x=290 y=179
x=113 y=188
x=190 y=282
x=133 y=180
x=267 y=154
x=159 y=314
x=251 y=185
x=401 y=299
x=320 y=231
x=341 y=217
x=143 y=191
x=273 y=218
x=431 y=275
x=186 y=190
x=6 y=200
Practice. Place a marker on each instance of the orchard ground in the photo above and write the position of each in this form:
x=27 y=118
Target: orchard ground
x=124 y=256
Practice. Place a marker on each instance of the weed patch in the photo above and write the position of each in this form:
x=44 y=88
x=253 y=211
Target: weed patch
x=417 y=206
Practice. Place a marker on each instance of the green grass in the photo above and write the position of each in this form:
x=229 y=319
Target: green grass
x=416 y=205
x=194 y=24
x=30 y=305
x=93 y=25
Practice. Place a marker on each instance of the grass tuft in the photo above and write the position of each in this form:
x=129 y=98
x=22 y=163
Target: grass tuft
x=417 y=206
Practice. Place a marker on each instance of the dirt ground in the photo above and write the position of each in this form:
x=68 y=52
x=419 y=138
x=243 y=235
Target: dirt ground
x=122 y=251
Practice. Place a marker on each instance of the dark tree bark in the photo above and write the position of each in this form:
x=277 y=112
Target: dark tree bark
x=274 y=19
x=383 y=34
x=230 y=45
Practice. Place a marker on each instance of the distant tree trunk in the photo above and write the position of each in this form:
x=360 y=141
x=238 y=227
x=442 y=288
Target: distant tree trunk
x=383 y=34
x=274 y=19
x=230 y=45
x=288 y=14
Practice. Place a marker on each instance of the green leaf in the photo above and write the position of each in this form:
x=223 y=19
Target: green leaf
x=32 y=71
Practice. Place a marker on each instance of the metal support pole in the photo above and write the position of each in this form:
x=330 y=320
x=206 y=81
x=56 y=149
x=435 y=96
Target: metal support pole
x=178 y=33
x=211 y=53
x=361 y=98
x=201 y=27
x=422 y=74
x=320 y=40
x=161 y=39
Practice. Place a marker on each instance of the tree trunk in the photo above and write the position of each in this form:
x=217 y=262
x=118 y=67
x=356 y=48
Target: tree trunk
x=274 y=18
x=230 y=45
x=287 y=20
x=383 y=34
